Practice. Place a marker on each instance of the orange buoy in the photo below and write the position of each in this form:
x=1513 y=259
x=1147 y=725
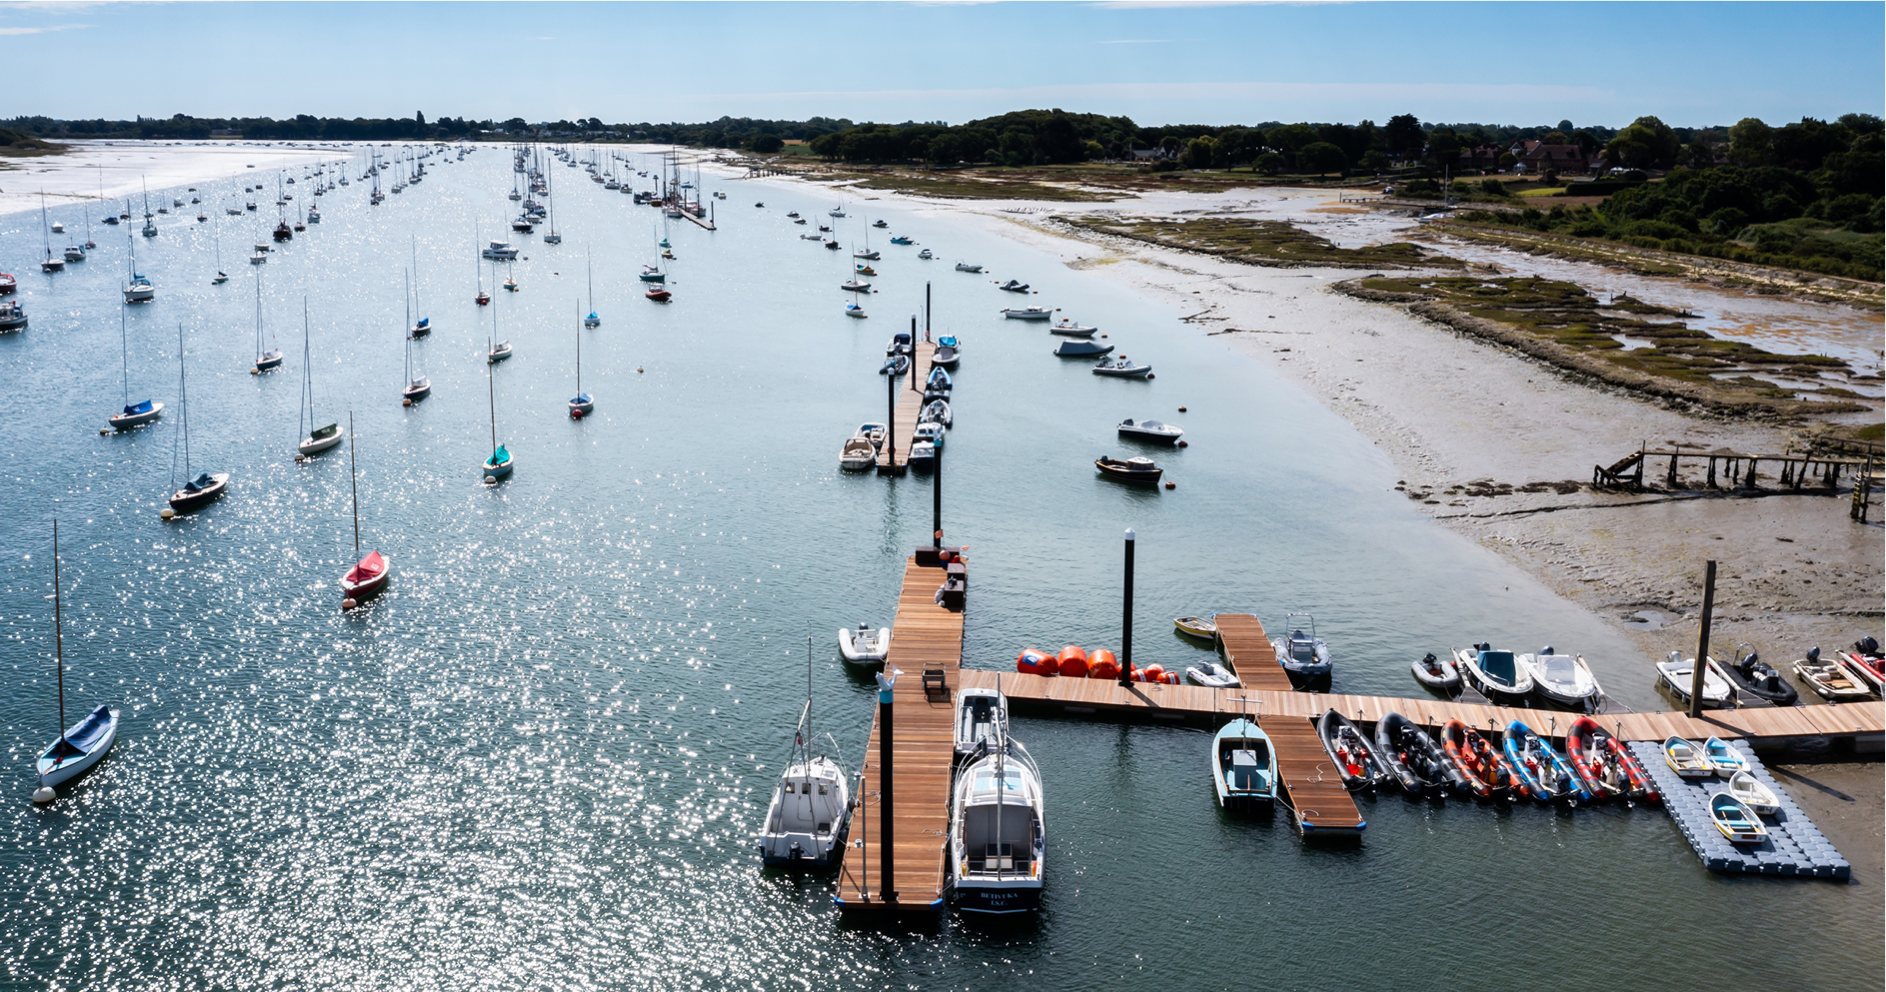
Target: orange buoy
x=1072 y=662
x=1172 y=678
x=1156 y=673
x=1036 y=662
x=1182 y=409
x=1172 y=485
x=1101 y=664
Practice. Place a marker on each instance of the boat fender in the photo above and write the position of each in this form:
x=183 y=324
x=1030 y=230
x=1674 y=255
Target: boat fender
x=44 y=794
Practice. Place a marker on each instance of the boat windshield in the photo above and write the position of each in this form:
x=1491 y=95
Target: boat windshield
x=1498 y=664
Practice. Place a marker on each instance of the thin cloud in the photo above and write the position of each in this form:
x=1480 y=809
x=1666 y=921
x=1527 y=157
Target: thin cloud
x=56 y=27
x=1136 y=41
x=1150 y=4
x=1398 y=93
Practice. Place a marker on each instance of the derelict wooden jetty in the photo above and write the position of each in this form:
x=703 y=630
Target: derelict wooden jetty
x=927 y=646
x=894 y=457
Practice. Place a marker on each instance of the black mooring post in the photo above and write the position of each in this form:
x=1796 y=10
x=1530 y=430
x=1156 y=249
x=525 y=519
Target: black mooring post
x=1126 y=619
x=886 y=818
x=1702 y=642
x=890 y=415
x=915 y=386
x=926 y=311
x=936 y=499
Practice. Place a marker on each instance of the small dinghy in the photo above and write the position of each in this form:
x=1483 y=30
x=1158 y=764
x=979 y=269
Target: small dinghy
x=1494 y=674
x=1082 y=349
x=1440 y=676
x=1479 y=762
x=880 y=223
x=1211 y=675
x=1413 y=758
x=966 y=267
x=1561 y=678
x=981 y=716
x=936 y=412
x=1675 y=675
x=1757 y=678
x=938 y=381
x=872 y=431
x=947 y=352
x=1011 y=286
x=1866 y=662
x=864 y=645
x=1198 y=627
x=658 y=295
x=926 y=254
x=1027 y=313
x=1154 y=431
x=1304 y=656
x=899 y=344
x=1753 y=794
x=895 y=365
x=1242 y=768
x=1725 y=760
x=1355 y=758
x=1736 y=820
x=1141 y=470
x=1123 y=368
x=858 y=454
x=1606 y=764
x=1069 y=329
x=1686 y=759
x=1545 y=773
x=1830 y=680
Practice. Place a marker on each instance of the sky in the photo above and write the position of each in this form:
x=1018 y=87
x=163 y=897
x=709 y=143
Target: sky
x=1691 y=64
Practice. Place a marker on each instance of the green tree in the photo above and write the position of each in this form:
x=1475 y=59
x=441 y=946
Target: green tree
x=1404 y=136
x=766 y=144
x=1751 y=142
x=1322 y=158
x=1269 y=163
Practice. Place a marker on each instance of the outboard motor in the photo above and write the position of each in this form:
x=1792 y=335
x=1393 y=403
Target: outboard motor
x=1868 y=645
x=1814 y=655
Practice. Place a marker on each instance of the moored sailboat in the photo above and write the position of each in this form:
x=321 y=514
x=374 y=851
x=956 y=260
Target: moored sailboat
x=319 y=438
x=133 y=414
x=202 y=489
x=82 y=745
x=369 y=575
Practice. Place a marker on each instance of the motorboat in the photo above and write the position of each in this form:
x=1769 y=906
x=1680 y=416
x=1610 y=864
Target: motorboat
x=74 y=253
x=895 y=365
x=522 y=225
x=1756 y=677
x=1027 y=313
x=1493 y=674
x=1676 y=675
x=873 y=432
x=998 y=832
x=899 y=344
x=201 y=491
x=1123 y=368
x=1545 y=773
x=658 y=295
x=8 y=283
x=1561 y=678
x=1013 y=286
x=926 y=254
x=925 y=443
x=1351 y=752
x=1147 y=430
x=1211 y=675
x=1722 y=758
x=938 y=381
x=136 y=415
x=879 y=223
x=1607 y=766
x=499 y=251
x=1478 y=762
x=902 y=240
x=1244 y=771
x=1830 y=680
x=1442 y=676
x=948 y=353
x=810 y=813
x=498 y=353
x=1412 y=757
x=1865 y=661
x=1081 y=349
x=1069 y=329
x=1202 y=628
x=936 y=412
x=283 y=232
x=1753 y=794
x=1736 y=820
x=320 y=439
x=1304 y=656
x=981 y=720
x=966 y=267
x=1137 y=469
x=864 y=645
x=258 y=258
x=367 y=578
x=857 y=455
x=79 y=748
x=792 y=213
x=13 y=317
x=1686 y=759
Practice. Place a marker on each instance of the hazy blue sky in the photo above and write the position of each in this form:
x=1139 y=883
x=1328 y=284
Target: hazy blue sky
x=1213 y=63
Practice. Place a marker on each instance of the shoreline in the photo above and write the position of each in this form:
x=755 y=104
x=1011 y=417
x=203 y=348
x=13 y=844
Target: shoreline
x=98 y=171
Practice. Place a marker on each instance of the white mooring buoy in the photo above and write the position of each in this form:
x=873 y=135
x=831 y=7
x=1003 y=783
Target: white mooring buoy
x=349 y=603
x=166 y=513
x=44 y=794
x=491 y=480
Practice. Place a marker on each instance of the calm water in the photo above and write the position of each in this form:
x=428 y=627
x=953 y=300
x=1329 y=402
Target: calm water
x=538 y=761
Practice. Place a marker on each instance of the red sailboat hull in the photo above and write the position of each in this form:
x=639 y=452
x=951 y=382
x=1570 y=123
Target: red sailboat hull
x=367 y=578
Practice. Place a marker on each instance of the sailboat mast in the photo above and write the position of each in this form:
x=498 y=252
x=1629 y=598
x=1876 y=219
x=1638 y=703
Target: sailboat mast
x=490 y=384
x=124 y=340
x=579 y=348
x=183 y=400
x=353 y=477
x=409 y=340
x=58 y=627
x=307 y=371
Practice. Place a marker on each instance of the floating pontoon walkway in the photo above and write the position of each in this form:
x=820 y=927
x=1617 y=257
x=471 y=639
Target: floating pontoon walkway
x=894 y=457
x=1794 y=846
x=925 y=638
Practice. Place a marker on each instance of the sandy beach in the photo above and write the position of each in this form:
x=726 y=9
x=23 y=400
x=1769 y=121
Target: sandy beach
x=115 y=170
